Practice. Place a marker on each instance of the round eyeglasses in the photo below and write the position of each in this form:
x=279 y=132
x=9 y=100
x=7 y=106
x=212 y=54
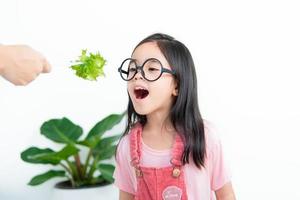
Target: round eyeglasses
x=151 y=69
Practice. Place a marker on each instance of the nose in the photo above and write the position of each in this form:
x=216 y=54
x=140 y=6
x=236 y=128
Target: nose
x=138 y=74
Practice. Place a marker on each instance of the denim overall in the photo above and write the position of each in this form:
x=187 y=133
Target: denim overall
x=166 y=183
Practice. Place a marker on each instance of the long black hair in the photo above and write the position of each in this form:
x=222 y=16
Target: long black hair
x=185 y=114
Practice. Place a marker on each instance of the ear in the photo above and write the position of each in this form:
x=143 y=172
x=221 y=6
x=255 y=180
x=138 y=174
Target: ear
x=175 y=91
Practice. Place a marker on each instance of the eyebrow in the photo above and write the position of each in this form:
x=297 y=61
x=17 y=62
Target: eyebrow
x=135 y=60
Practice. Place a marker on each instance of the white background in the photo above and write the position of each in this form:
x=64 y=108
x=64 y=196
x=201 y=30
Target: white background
x=247 y=57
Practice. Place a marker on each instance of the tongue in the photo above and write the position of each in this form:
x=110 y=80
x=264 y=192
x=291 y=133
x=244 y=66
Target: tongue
x=140 y=94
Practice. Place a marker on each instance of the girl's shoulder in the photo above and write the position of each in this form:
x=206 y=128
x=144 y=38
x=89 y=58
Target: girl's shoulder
x=212 y=135
x=124 y=144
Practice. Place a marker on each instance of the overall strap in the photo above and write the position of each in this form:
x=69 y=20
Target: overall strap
x=178 y=148
x=135 y=145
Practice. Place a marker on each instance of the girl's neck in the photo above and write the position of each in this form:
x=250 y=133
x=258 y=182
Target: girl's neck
x=158 y=124
x=158 y=133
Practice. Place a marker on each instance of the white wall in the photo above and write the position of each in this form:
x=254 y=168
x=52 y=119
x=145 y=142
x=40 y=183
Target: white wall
x=247 y=59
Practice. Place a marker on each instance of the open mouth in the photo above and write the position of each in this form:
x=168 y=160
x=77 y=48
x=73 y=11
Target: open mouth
x=141 y=93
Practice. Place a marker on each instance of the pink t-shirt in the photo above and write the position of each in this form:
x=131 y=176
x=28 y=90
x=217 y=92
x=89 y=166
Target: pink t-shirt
x=200 y=184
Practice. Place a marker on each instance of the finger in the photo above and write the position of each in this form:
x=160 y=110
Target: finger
x=46 y=66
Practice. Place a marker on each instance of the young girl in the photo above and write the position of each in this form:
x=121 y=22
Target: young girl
x=168 y=152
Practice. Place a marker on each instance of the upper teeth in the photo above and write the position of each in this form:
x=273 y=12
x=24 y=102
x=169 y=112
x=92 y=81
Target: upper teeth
x=139 y=88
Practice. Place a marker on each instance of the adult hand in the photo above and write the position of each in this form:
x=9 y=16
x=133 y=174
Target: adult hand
x=20 y=64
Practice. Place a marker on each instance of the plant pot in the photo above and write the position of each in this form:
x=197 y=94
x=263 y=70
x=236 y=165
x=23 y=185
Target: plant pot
x=98 y=192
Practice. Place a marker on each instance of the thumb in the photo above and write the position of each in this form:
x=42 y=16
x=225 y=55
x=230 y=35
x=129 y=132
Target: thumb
x=46 y=66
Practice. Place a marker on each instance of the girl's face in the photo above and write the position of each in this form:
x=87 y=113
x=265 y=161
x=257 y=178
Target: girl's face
x=149 y=97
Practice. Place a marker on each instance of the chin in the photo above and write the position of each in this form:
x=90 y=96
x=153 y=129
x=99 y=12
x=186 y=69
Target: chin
x=141 y=111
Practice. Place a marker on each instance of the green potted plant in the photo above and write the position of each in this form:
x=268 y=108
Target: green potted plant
x=76 y=172
x=80 y=163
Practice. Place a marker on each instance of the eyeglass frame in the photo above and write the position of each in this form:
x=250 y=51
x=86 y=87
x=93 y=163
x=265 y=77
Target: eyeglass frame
x=137 y=67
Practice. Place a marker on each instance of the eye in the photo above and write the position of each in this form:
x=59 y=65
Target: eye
x=132 y=69
x=153 y=69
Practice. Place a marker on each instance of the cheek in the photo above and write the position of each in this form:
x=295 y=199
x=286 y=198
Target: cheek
x=130 y=93
x=129 y=86
x=163 y=89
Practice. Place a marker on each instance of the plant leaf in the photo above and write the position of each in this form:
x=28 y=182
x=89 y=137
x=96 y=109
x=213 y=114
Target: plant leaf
x=67 y=151
x=90 y=66
x=99 y=179
x=107 y=171
x=109 y=140
x=41 y=178
x=105 y=153
x=42 y=156
x=47 y=156
x=101 y=127
x=61 y=130
x=87 y=143
x=106 y=142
